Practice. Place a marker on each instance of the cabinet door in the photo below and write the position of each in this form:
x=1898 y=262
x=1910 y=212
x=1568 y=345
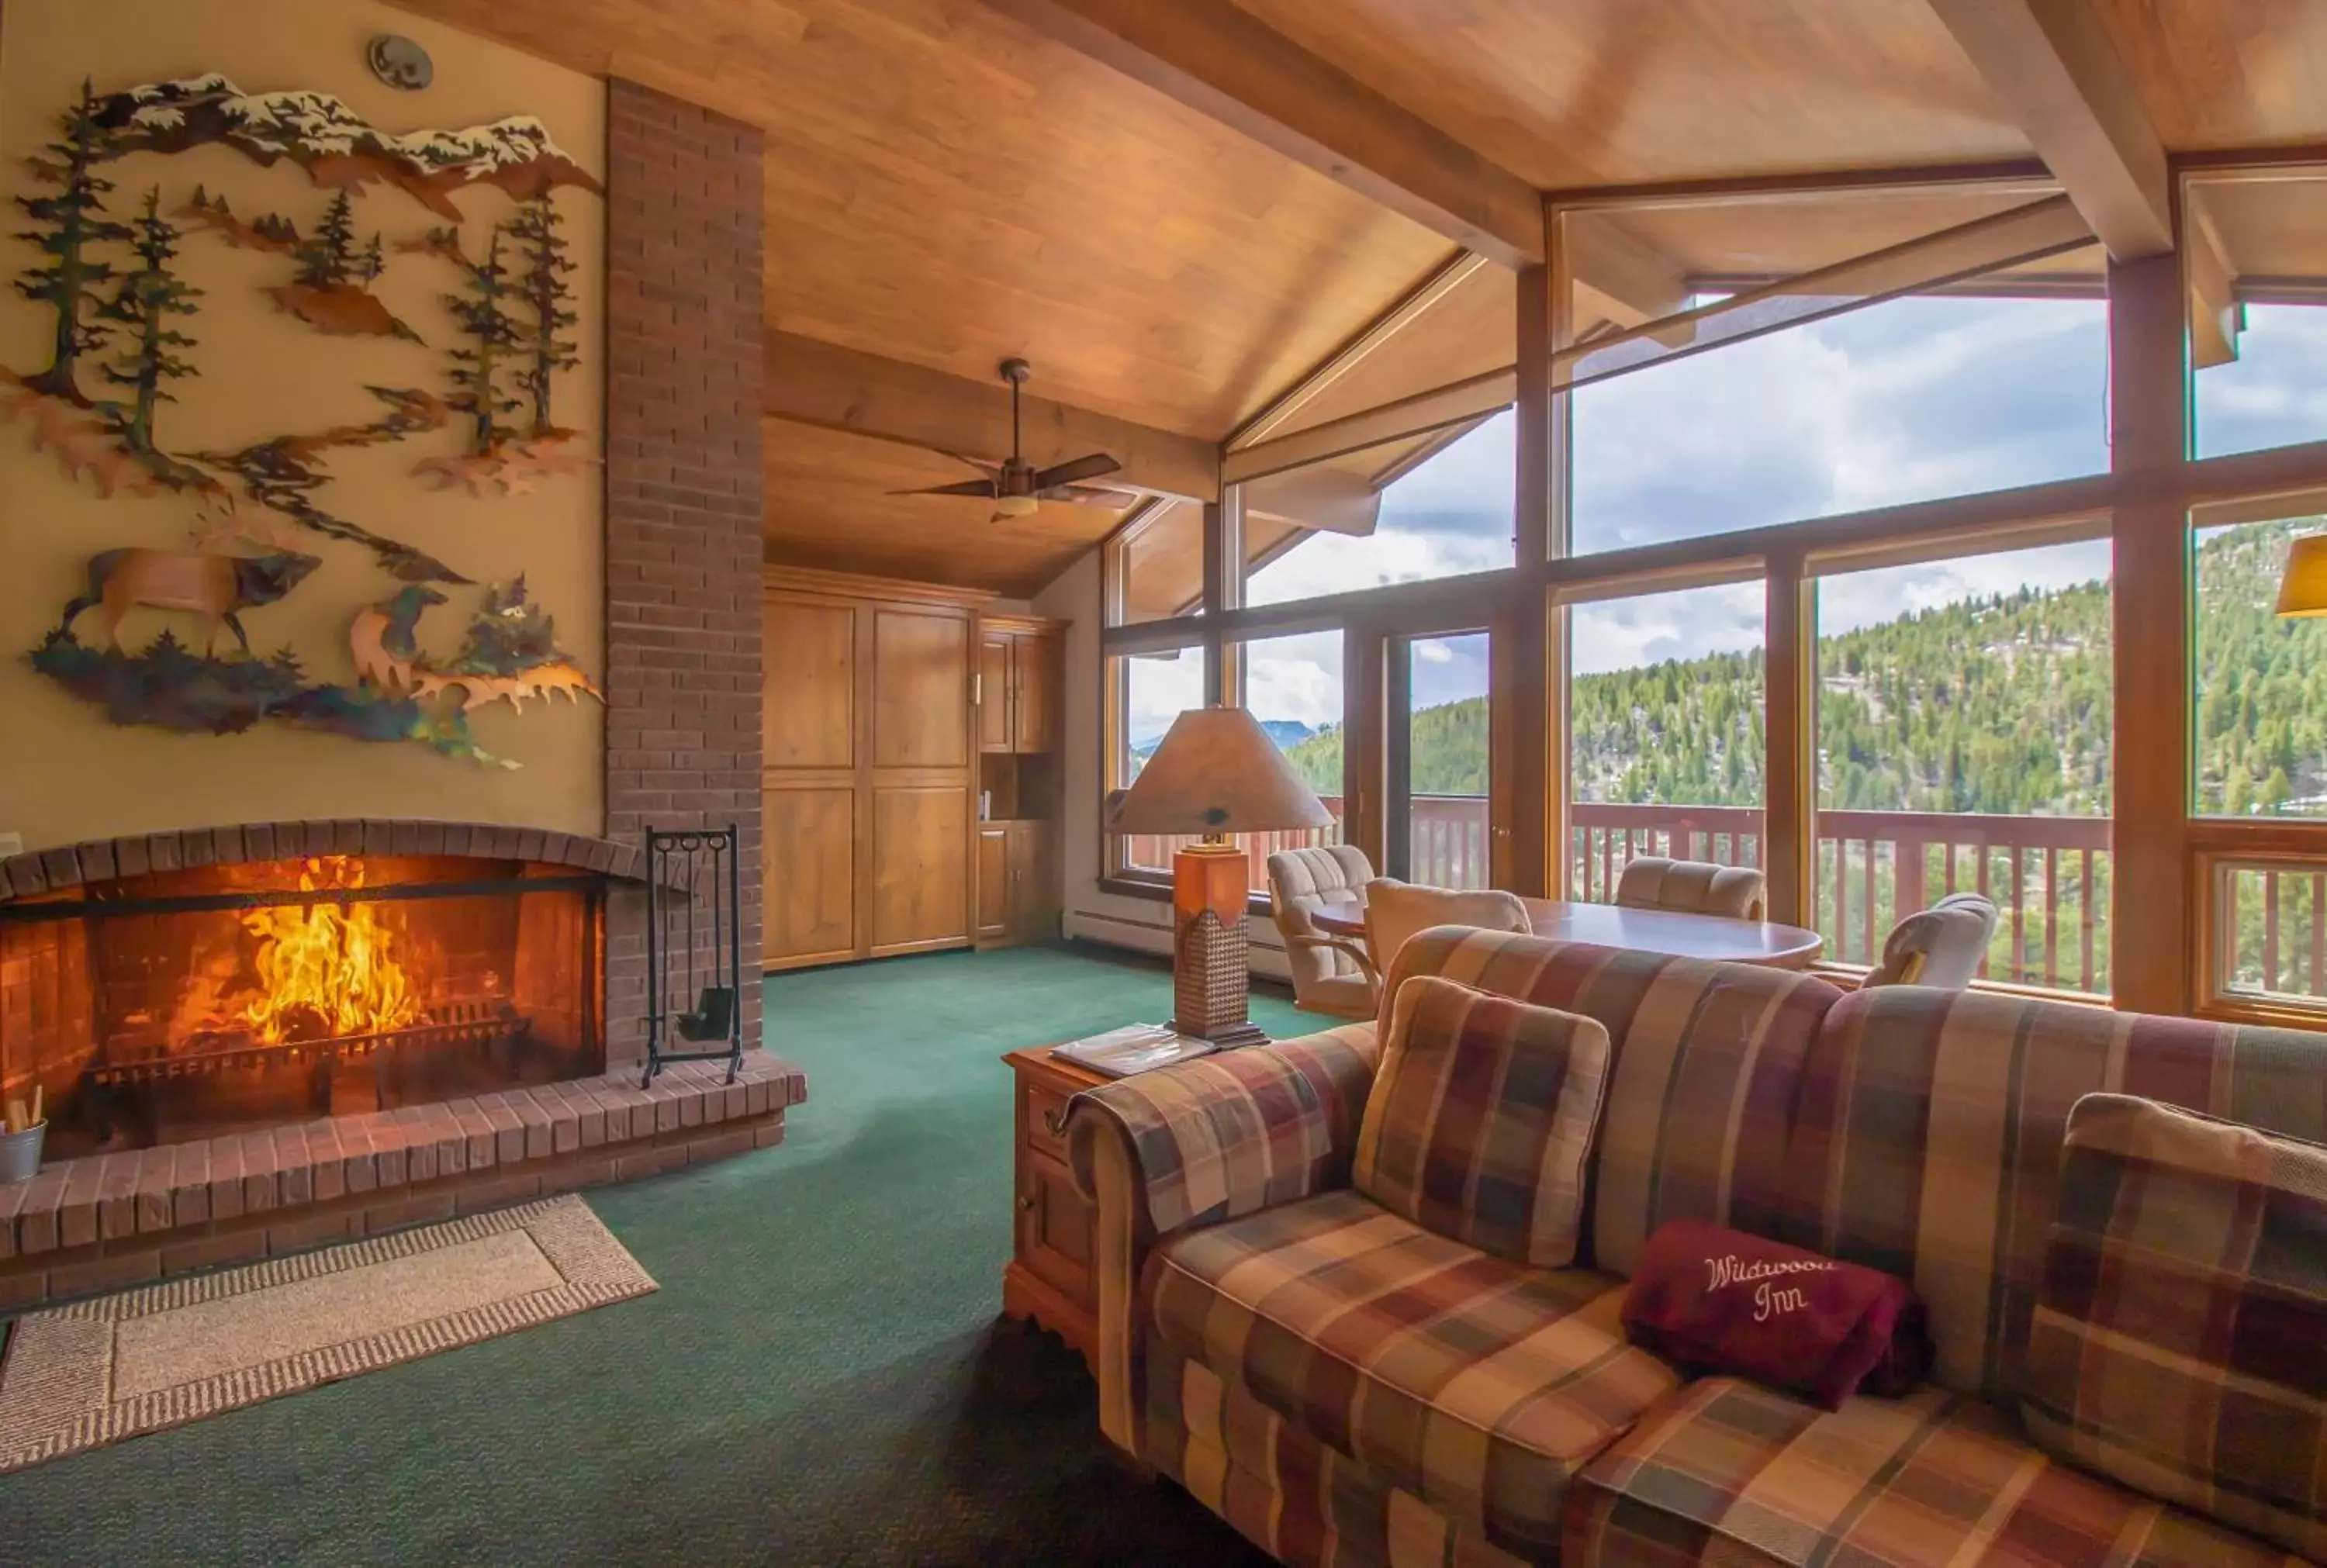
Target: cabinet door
x=808 y=859
x=921 y=870
x=994 y=714
x=808 y=703
x=920 y=684
x=1054 y=1226
x=1034 y=675
x=993 y=872
x=1033 y=913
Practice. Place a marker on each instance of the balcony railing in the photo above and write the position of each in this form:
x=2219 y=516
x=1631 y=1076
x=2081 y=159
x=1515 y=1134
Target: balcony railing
x=2049 y=875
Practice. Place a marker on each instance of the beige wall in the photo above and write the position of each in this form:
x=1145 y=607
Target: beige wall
x=66 y=773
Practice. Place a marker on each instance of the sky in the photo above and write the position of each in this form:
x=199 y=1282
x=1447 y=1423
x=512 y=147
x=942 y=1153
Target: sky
x=1910 y=400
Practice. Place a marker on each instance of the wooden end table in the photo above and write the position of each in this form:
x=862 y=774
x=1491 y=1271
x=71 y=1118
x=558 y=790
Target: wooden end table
x=1048 y=1279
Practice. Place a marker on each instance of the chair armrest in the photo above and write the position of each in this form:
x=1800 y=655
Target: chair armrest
x=1340 y=945
x=1192 y=1145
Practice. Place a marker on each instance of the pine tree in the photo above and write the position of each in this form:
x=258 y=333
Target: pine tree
x=143 y=305
x=327 y=258
x=493 y=336
x=67 y=224
x=545 y=290
x=374 y=263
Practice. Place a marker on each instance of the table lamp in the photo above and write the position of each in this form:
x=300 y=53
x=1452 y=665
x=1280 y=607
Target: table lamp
x=2302 y=586
x=1215 y=773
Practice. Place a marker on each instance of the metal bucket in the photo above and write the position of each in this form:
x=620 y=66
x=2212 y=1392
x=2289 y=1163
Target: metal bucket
x=19 y=1154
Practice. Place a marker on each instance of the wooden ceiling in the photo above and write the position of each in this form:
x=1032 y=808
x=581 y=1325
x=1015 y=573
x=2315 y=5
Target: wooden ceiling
x=948 y=186
x=829 y=504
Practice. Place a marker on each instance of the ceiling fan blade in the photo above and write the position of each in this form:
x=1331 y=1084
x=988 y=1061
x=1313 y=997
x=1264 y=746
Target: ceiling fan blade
x=1091 y=465
x=968 y=486
x=1089 y=495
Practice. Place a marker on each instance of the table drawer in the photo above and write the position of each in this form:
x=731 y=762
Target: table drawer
x=1046 y=1114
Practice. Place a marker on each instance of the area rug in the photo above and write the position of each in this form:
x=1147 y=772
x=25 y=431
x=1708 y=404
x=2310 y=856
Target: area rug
x=84 y=1376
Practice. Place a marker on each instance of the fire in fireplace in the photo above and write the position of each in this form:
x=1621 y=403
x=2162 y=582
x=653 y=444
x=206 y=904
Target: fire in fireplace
x=181 y=1005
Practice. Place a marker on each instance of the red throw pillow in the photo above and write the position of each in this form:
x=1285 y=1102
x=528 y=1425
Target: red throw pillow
x=1715 y=1300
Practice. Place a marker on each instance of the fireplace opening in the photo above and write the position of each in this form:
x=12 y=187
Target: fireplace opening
x=185 y=1004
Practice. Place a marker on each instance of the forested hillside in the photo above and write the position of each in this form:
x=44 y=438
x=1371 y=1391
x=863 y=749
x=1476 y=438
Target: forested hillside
x=1990 y=704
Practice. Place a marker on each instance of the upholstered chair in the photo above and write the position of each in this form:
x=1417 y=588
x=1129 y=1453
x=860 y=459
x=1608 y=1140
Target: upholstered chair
x=1329 y=972
x=1396 y=910
x=1941 y=946
x=1693 y=887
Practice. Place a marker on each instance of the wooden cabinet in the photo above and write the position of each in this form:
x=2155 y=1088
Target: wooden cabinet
x=994 y=881
x=1019 y=668
x=870 y=784
x=1017 y=893
x=1048 y=1276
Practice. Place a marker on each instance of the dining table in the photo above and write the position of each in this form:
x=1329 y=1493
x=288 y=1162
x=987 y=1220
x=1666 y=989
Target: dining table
x=1682 y=934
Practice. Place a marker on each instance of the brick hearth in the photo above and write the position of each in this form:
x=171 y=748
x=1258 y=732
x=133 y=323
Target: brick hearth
x=110 y=1220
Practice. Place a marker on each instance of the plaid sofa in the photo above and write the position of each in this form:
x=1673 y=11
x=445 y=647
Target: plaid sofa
x=1346 y=1387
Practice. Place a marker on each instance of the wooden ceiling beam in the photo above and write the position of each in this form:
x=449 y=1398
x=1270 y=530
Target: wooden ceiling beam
x=1457 y=403
x=811 y=382
x=1224 y=62
x=2053 y=64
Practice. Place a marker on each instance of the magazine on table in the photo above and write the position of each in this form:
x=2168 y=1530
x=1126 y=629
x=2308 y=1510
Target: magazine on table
x=1133 y=1048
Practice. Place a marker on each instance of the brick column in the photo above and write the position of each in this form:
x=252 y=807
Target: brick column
x=683 y=506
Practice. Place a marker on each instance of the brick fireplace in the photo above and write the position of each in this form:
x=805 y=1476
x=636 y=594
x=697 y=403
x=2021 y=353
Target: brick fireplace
x=199 y=1118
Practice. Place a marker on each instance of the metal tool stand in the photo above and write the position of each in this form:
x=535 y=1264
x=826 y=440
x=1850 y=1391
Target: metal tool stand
x=694 y=875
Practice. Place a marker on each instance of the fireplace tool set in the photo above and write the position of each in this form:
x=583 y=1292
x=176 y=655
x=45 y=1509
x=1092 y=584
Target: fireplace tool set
x=694 y=946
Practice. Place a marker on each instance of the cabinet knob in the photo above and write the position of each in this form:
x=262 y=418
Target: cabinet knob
x=1026 y=1200
x=1055 y=1123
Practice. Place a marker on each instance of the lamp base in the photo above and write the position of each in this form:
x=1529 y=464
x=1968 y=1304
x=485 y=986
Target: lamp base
x=1210 y=973
x=1236 y=1039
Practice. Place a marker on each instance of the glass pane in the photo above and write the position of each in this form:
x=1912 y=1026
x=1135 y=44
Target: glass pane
x=2272 y=923
x=2259 y=730
x=1913 y=399
x=1164 y=565
x=1666 y=745
x=1451 y=513
x=1963 y=743
x=1293 y=686
x=1438 y=806
x=1154 y=689
x=2259 y=318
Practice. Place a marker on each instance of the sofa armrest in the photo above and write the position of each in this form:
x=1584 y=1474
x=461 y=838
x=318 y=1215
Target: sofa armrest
x=1191 y=1145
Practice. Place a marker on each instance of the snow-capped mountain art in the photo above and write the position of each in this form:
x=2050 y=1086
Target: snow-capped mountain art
x=337 y=146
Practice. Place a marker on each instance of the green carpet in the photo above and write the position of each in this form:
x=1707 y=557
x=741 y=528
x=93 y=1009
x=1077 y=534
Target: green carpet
x=822 y=1378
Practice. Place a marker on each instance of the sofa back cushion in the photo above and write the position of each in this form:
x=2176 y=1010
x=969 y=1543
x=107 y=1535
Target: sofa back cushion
x=1480 y=1119
x=1927 y=1142
x=1707 y=1061
x=2180 y=1343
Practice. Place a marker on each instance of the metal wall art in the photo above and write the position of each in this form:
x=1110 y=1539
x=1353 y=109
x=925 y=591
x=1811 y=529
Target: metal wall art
x=125 y=343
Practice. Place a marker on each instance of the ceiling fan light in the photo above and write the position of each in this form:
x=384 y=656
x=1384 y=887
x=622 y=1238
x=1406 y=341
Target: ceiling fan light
x=1016 y=505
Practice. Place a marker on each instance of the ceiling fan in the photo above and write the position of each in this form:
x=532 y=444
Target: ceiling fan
x=1016 y=486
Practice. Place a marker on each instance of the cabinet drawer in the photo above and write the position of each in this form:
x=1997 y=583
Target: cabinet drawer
x=1046 y=1109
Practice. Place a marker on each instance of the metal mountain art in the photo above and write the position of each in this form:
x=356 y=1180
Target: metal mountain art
x=337 y=146
x=120 y=348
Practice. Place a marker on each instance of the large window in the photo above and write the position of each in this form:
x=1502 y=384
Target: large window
x=1293 y=686
x=1438 y=824
x=1963 y=743
x=1908 y=400
x=2258 y=320
x=2259 y=719
x=1163 y=565
x=1444 y=507
x=1150 y=690
x=1665 y=730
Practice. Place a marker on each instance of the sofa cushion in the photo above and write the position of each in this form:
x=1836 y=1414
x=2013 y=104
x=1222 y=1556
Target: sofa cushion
x=1478 y=1385
x=1731 y=1473
x=1707 y=1066
x=2180 y=1341
x=1927 y=1140
x=1481 y=1118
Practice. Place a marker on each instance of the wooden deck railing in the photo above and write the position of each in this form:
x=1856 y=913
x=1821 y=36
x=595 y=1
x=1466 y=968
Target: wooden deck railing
x=2049 y=875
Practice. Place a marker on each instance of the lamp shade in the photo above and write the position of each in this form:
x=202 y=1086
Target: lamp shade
x=2302 y=586
x=1217 y=772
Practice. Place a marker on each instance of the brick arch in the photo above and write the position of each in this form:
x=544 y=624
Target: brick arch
x=71 y=865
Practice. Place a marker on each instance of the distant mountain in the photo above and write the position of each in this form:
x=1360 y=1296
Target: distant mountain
x=337 y=146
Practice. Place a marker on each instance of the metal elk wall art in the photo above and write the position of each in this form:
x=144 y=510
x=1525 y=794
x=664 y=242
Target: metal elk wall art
x=128 y=344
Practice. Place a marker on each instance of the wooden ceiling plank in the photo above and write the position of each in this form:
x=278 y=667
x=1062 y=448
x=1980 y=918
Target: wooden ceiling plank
x=2053 y=65
x=810 y=382
x=1403 y=313
x=1221 y=61
x=1471 y=397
